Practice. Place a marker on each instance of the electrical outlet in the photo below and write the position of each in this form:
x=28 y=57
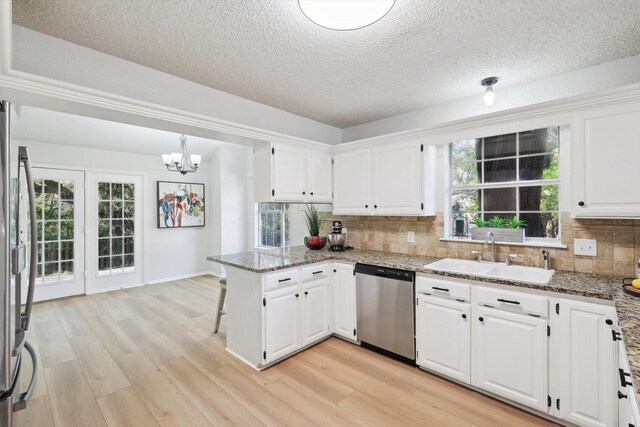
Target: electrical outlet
x=585 y=247
x=344 y=230
x=411 y=237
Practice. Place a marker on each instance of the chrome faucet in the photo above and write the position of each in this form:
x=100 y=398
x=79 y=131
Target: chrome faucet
x=493 y=245
x=546 y=254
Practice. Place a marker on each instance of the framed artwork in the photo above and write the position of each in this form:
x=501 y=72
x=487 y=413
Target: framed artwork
x=180 y=204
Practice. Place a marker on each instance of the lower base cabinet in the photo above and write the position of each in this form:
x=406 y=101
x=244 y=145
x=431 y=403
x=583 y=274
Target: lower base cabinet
x=628 y=411
x=586 y=363
x=344 y=301
x=443 y=337
x=510 y=356
x=314 y=314
x=295 y=317
x=282 y=322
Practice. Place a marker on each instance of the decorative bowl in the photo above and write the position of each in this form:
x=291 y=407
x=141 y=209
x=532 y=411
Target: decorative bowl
x=315 y=242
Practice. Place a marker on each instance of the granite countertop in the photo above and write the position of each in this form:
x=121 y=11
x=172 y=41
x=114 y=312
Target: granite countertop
x=585 y=285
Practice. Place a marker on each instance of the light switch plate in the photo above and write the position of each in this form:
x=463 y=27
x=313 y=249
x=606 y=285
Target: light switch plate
x=411 y=237
x=585 y=247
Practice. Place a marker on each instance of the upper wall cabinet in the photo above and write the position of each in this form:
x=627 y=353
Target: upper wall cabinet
x=382 y=180
x=605 y=162
x=286 y=173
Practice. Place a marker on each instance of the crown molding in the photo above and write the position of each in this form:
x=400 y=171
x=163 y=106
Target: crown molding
x=43 y=86
x=562 y=109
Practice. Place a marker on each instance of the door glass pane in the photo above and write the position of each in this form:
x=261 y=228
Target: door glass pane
x=55 y=213
x=115 y=233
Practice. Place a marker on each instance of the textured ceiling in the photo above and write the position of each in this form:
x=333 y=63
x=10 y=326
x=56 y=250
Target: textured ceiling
x=34 y=124
x=423 y=52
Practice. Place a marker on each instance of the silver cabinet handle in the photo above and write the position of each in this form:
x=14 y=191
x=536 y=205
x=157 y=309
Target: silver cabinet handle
x=26 y=316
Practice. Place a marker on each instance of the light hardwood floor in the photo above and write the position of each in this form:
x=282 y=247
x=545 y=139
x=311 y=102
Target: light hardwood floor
x=147 y=357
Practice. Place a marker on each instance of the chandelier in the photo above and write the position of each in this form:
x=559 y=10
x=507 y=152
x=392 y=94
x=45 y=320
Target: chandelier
x=182 y=162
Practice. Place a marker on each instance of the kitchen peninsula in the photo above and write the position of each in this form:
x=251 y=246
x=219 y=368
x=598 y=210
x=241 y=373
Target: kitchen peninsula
x=281 y=301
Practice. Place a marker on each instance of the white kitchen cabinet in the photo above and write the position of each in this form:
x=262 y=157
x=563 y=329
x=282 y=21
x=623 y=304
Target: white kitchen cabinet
x=287 y=173
x=628 y=412
x=383 y=180
x=344 y=301
x=396 y=179
x=443 y=336
x=351 y=183
x=586 y=363
x=319 y=177
x=605 y=154
x=315 y=320
x=510 y=356
x=282 y=321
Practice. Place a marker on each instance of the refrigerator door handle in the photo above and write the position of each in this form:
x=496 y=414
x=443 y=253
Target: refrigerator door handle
x=33 y=265
x=20 y=401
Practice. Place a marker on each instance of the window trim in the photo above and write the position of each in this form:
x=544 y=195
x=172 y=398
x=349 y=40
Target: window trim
x=283 y=232
x=517 y=184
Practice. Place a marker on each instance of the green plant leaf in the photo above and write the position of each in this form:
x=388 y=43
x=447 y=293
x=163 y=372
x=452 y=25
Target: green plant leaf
x=515 y=222
x=313 y=220
x=480 y=223
x=497 y=222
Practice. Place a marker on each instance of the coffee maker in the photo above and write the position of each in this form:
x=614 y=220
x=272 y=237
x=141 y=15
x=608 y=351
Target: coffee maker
x=337 y=238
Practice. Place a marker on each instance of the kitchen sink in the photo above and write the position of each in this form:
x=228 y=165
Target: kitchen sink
x=493 y=270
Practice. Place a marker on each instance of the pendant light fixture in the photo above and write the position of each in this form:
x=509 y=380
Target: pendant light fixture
x=345 y=15
x=489 y=95
x=182 y=162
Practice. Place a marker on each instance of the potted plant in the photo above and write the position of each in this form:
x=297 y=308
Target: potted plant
x=314 y=241
x=503 y=229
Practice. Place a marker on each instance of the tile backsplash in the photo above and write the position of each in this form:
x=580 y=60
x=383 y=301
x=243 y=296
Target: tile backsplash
x=618 y=242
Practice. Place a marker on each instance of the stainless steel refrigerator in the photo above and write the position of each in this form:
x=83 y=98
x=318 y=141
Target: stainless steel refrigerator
x=18 y=248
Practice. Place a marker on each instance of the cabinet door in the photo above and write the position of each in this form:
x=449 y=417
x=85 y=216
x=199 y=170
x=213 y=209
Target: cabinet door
x=344 y=301
x=289 y=172
x=282 y=320
x=587 y=363
x=320 y=174
x=605 y=158
x=351 y=183
x=396 y=171
x=443 y=337
x=510 y=356
x=315 y=311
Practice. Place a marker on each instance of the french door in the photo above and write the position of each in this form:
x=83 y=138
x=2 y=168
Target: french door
x=60 y=229
x=114 y=232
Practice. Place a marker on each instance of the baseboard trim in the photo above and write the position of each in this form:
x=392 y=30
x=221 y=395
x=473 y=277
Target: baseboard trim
x=180 y=277
x=114 y=288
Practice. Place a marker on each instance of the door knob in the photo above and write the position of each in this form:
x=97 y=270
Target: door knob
x=580 y=203
x=481 y=319
x=464 y=316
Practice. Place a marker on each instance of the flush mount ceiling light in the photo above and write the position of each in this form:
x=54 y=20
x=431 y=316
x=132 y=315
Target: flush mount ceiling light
x=345 y=14
x=182 y=162
x=489 y=96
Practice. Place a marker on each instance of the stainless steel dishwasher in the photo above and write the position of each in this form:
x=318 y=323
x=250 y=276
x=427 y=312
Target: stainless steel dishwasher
x=385 y=306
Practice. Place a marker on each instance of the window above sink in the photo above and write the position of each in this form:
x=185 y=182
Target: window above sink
x=506 y=176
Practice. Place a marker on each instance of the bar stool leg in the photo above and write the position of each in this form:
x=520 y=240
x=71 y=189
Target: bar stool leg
x=220 y=309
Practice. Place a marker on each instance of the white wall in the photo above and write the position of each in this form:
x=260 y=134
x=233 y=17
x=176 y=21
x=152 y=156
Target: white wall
x=232 y=189
x=594 y=79
x=169 y=253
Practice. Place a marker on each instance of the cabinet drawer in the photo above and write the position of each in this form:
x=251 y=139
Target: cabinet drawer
x=281 y=279
x=513 y=301
x=315 y=271
x=443 y=288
